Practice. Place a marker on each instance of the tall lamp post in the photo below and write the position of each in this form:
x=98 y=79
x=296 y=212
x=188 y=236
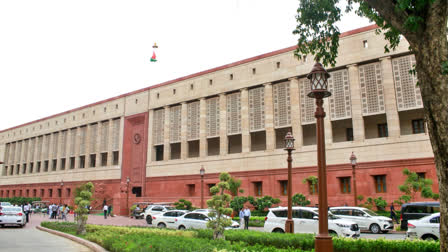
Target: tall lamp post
x=202 y=172
x=318 y=78
x=128 y=180
x=289 y=147
x=353 y=161
x=60 y=195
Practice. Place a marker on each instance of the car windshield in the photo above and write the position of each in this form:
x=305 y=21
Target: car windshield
x=12 y=209
x=370 y=212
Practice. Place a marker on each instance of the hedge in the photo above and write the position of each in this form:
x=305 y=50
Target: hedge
x=254 y=221
x=19 y=200
x=153 y=239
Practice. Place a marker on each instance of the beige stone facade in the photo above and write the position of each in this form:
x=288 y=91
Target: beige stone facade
x=234 y=118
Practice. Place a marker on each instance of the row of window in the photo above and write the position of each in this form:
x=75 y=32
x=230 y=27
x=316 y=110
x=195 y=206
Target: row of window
x=42 y=193
x=45 y=166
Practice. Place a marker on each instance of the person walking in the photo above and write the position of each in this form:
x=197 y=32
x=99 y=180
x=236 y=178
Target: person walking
x=241 y=215
x=109 y=210
x=105 y=211
x=65 y=210
x=26 y=210
x=246 y=217
x=393 y=214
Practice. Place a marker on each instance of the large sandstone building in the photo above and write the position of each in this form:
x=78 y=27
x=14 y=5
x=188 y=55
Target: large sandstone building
x=149 y=145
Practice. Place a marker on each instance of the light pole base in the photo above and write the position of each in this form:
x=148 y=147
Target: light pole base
x=289 y=226
x=323 y=243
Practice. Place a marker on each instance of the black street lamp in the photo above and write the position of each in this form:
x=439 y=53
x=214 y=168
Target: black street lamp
x=289 y=147
x=319 y=85
x=202 y=172
x=353 y=161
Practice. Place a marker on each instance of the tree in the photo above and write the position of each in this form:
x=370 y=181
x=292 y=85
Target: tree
x=424 y=25
x=183 y=204
x=83 y=197
x=300 y=200
x=238 y=202
x=414 y=184
x=263 y=202
x=235 y=185
x=218 y=203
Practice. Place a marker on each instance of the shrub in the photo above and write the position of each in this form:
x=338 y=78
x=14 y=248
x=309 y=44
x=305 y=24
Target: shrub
x=219 y=203
x=83 y=198
x=19 y=200
x=349 y=245
x=237 y=203
x=262 y=203
x=300 y=200
x=183 y=204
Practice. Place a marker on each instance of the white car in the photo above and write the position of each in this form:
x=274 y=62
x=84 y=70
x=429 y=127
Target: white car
x=167 y=219
x=426 y=228
x=10 y=215
x=198 y=220
x=153 y=210
x=365 y=218
x=306 y=221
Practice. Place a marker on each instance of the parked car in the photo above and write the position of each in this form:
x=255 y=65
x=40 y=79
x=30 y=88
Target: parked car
x=426 y=228
x=152 y=210
x=306 y=221
x=10 y=215
x=365 y=218
x=198 y=220
x=417 y=210
x=167 y=219
x=3 y=204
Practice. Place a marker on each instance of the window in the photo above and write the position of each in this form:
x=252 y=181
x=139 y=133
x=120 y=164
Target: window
x=72 y=162
x=231 y=77
x=349 y=134
x=62 y=163
x=418 y=126
x=42 y=192
x=365 y=44
x=382 y=130
x=68 y=192
x=46 y=165
x=258 y=188
x=306 y=214
x=174 y=91
x=191 y=189
x=59 y=192
x=380 y=183
x=82 y=161
x=278 y=64
x=254 y=70
x=283 y=187
x=421 y=175
x=158 y=95
x=209 y=186
x=92 y=160
x=34 y=192
x=210 y=82
x=435 y=220
x=304 y=59
x=54 y=165
x=38 y=167
x=115 y=158
x=281 y=213
x=191 y=86
x=136 y=101
x=50 y=193
x=314 y=189
x=104 y=159
x=345 y=185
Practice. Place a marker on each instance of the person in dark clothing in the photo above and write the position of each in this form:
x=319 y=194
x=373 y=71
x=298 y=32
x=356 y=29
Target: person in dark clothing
x=393 y=214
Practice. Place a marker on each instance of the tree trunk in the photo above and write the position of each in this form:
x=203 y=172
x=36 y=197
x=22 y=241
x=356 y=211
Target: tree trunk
x=430 y=52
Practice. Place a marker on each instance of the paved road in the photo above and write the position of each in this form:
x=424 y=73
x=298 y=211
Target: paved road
x=14 y=239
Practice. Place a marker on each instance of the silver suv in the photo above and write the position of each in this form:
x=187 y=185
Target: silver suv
x=365 y=218
x=306 y=221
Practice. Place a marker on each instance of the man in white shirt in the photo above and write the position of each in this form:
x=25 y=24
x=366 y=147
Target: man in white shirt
x=246 y=217
x=105 y=211
x=26 y=209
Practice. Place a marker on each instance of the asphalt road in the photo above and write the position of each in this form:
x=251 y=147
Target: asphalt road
x=15 y=239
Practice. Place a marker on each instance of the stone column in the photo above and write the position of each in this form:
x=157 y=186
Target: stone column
x=269 y=117
x=50 y=152
x=203 y=128
x=245 y=124
x=393 y=119
x=327 y=123
x=99 y=131
x=77 y=145
x=355 y=94
x=223 y=141
x=87 y=146
x=296 y=119
x=120 y=143
x=22 y=157
x=110 y=143
x=68 y=138
x=35 y=157
x=183 y=131
x=166 y=135
x=11 y=158
x=58 y=151
x=150 y=151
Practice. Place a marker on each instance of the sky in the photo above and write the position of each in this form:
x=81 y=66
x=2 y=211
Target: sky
x=59 y=55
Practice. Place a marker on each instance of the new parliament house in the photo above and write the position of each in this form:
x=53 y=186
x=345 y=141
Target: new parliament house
x=149 y=145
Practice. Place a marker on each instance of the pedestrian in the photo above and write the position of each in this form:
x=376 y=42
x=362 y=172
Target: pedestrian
x=246 y=218
x=393 y=214
x=109 y=210
x=65 y=212
x=241 y=215
x=50 y=211
x=105 y=211
x=26 y=210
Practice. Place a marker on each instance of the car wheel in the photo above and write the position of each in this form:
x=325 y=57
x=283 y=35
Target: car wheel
x=278 y=230
x=161 y=225
x=149 y=219
x=181 y=227
x=374 y=228
x=429 y=238
x=332 y=233
x=385 y=231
